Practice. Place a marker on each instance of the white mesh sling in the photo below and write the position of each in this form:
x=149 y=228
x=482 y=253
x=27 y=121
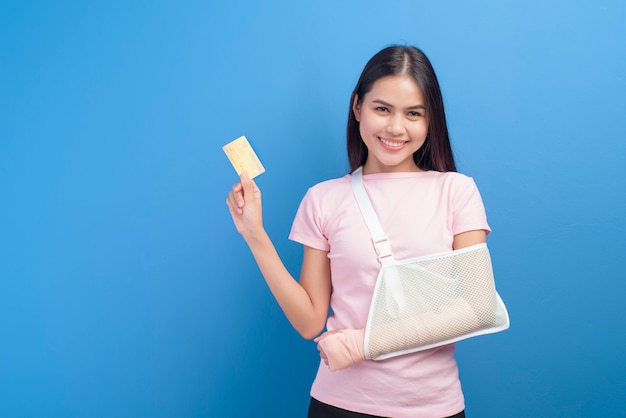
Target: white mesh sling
x=428 y=301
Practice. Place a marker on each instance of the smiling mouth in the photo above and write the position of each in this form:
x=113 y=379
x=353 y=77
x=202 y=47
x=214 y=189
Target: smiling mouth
x=392 y=144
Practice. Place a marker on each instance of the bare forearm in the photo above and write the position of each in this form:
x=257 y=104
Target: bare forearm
x=305 y=303
x=290 y=295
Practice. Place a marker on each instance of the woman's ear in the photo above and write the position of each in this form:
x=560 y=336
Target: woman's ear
x=356 y=108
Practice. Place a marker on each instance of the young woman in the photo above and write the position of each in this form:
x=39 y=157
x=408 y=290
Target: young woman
x=397 y=133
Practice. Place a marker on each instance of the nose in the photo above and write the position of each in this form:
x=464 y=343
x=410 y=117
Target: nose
x=395 y=125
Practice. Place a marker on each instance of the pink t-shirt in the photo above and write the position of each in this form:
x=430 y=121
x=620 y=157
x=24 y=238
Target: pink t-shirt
x=420 y=213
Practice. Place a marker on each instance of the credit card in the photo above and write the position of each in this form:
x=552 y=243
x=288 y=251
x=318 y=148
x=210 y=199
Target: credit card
x=243 y=158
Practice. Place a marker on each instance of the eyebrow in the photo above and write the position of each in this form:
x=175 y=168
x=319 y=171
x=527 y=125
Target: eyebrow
x=382 y=102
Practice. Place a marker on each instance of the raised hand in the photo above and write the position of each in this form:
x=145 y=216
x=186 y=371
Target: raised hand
x=244 y=203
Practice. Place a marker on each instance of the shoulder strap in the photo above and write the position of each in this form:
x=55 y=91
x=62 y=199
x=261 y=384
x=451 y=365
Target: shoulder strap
x=380 y=240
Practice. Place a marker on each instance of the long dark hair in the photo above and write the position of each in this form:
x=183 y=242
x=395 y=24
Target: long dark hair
x=436 y=153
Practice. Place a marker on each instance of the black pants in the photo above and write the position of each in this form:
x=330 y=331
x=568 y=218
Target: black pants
x=318 y=409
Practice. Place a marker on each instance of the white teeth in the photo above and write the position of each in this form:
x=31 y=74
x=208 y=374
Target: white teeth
x=391 y=144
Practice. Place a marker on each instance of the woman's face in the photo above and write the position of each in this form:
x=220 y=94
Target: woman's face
x=393 y=123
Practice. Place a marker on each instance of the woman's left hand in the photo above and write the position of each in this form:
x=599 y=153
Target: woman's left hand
x=341 y=348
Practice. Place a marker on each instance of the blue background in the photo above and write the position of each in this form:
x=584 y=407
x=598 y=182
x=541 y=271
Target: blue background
x=125 y=290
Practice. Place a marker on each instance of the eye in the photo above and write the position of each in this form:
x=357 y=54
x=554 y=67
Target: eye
x=414 y=115
x=382 y=109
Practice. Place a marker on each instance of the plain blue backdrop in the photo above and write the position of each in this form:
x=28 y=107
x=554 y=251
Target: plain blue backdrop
x=125 y=290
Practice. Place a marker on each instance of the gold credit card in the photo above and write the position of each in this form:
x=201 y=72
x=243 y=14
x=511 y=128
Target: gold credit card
x=243 y=157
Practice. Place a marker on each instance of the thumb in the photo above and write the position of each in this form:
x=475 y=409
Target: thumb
x=250 y=188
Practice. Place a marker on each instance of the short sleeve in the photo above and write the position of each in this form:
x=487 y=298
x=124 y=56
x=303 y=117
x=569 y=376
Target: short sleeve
x=468 y=209
x=308 y=227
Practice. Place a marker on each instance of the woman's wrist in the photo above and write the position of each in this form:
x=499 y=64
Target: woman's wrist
x=256 y=236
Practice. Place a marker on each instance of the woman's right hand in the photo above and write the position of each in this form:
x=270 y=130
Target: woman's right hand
x=244 y=203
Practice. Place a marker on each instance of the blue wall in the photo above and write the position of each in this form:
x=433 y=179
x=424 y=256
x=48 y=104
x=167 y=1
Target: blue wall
x=124 y=288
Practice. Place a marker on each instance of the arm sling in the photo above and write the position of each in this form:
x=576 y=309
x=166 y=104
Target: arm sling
x=425 y=302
